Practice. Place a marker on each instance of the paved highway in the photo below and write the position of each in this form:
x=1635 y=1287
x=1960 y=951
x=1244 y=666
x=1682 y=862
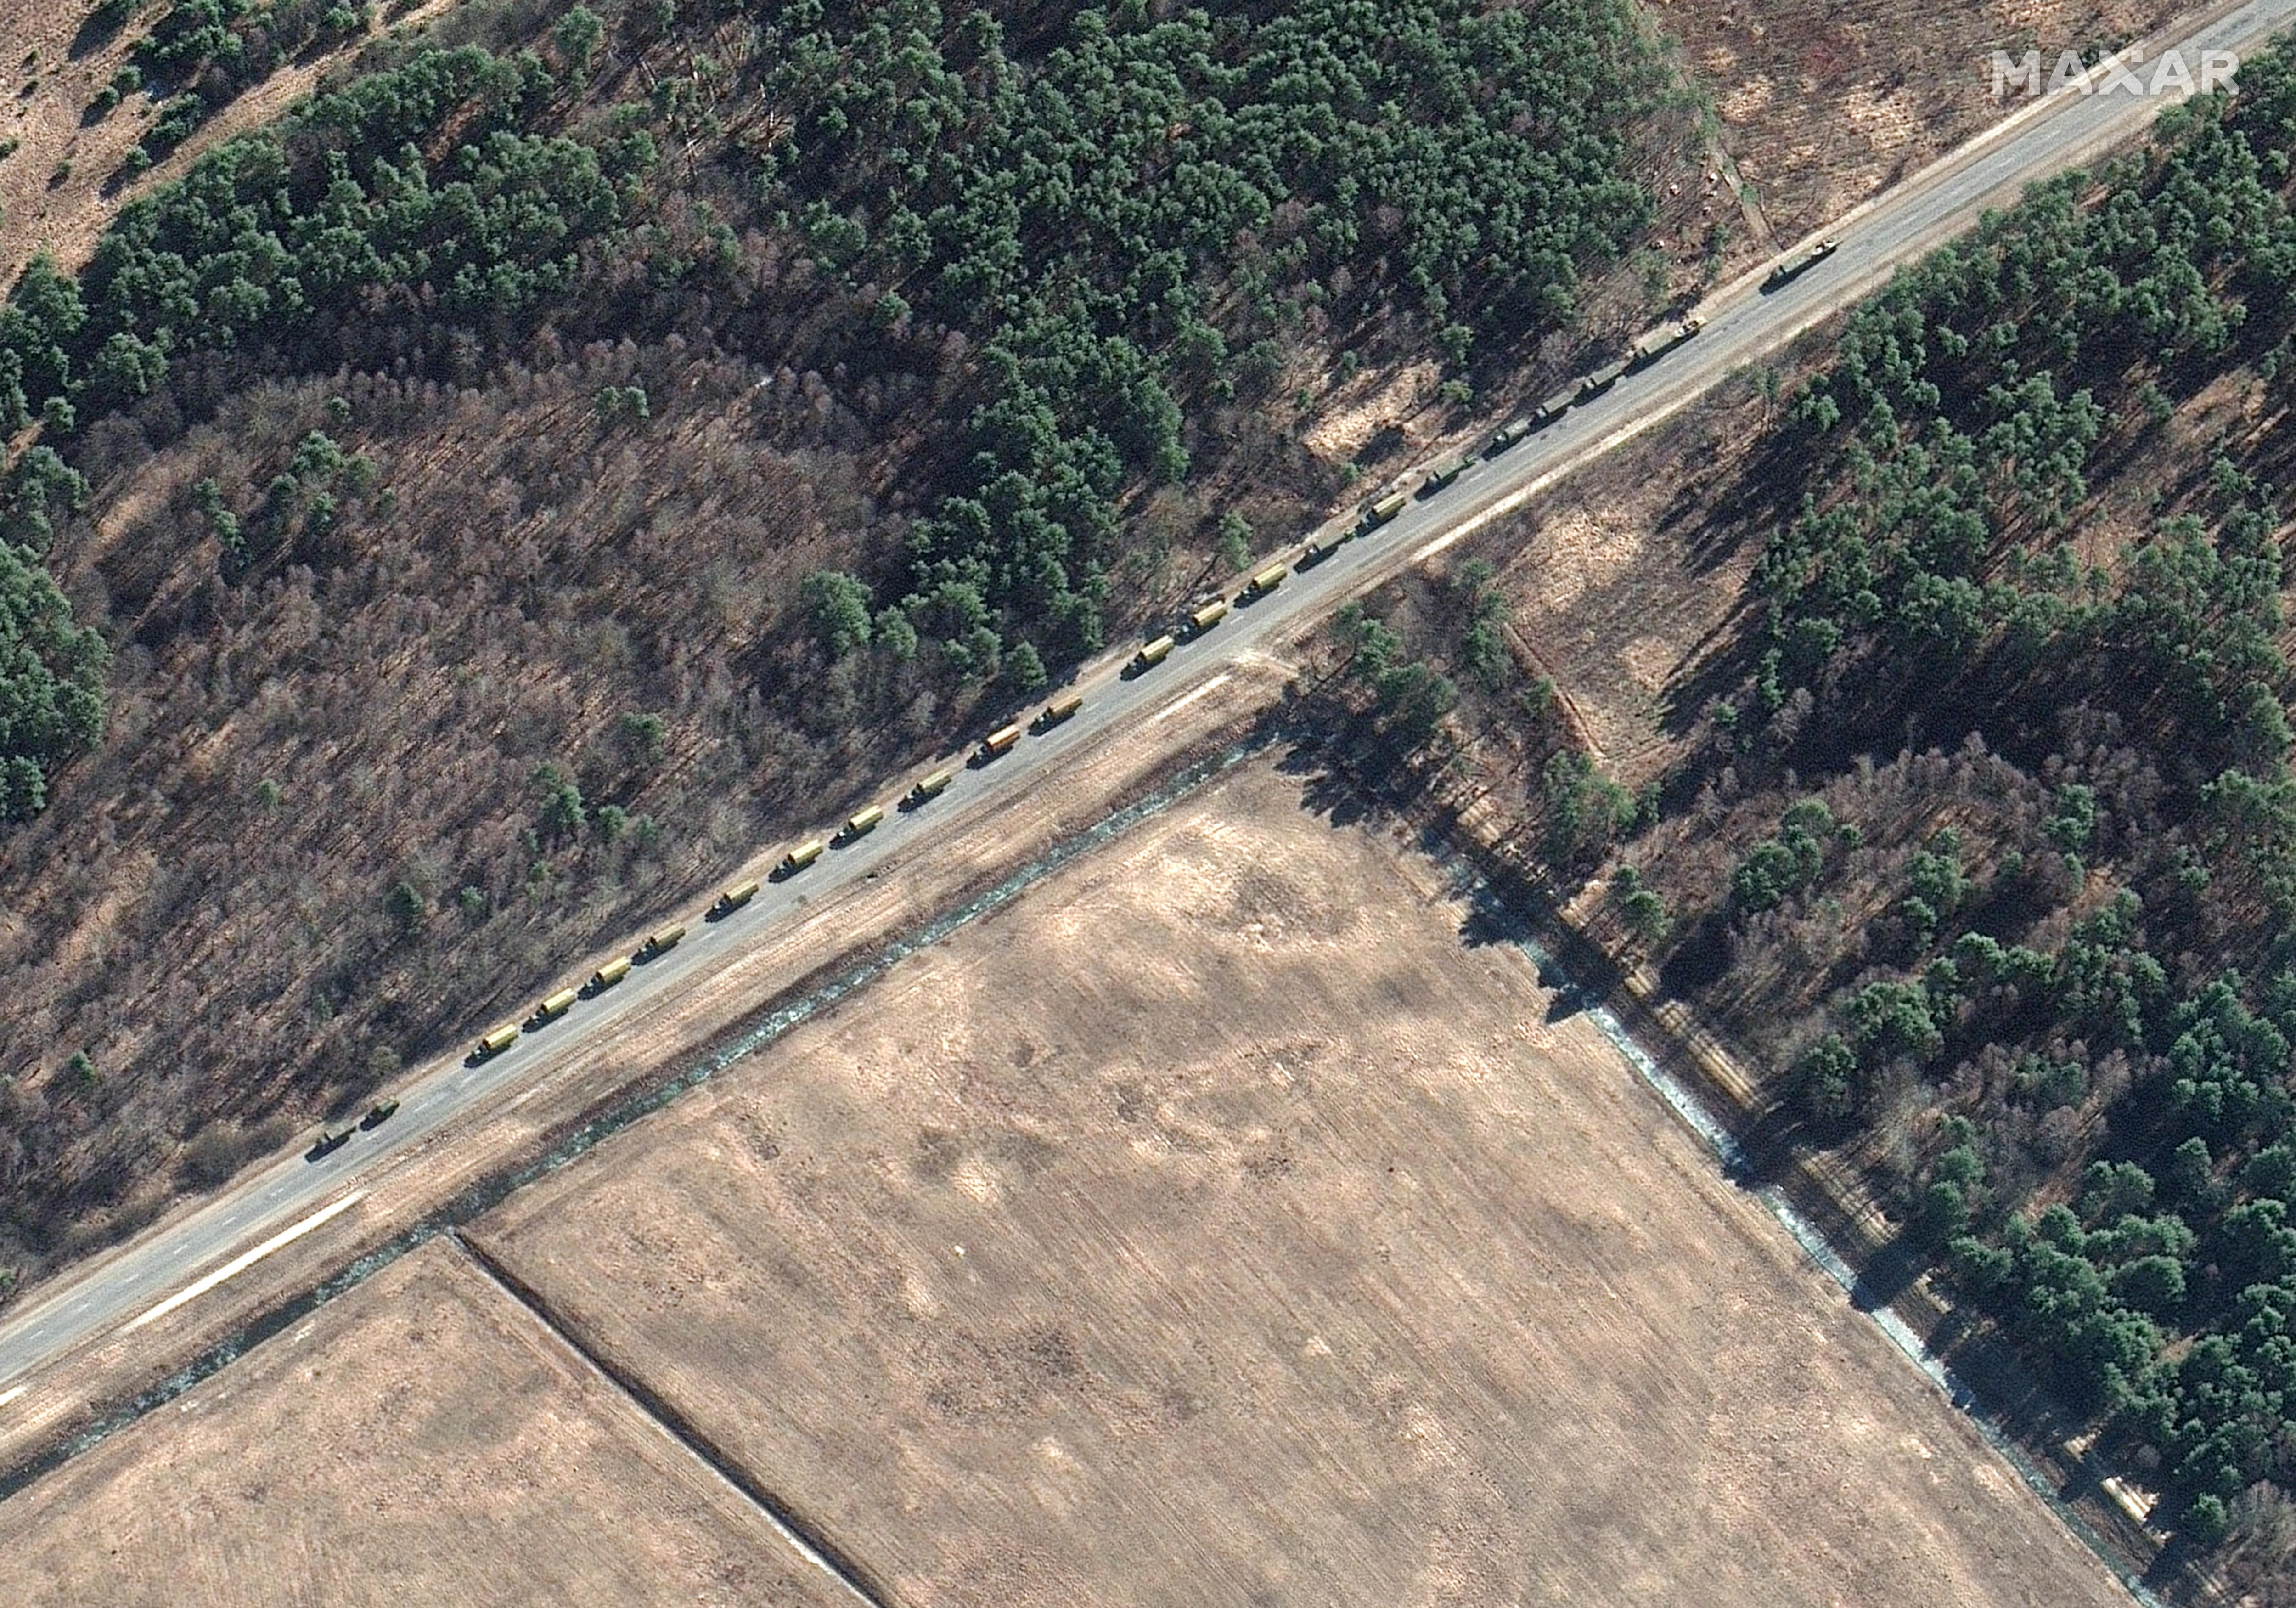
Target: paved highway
x=181 y=1259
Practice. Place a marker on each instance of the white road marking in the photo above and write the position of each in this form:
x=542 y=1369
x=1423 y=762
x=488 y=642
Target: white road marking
x=8 y=1396
x=1178 y=704
x=241 y=1264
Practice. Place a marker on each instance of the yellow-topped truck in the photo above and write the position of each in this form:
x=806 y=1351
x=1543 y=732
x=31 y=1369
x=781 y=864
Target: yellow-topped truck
x=1377 y=511
x=1150 y=655
x=928 y=787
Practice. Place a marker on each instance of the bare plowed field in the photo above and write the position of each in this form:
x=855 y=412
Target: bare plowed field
x=1221 y=1224
x=423 y=1443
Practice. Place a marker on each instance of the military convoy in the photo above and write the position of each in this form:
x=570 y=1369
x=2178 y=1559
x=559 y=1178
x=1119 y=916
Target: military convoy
x=1371 y=514
x=333 y=1136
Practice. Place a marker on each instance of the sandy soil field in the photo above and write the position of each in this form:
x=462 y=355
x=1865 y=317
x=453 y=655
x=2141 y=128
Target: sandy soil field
x=424 y=1441
x=1221 y=1224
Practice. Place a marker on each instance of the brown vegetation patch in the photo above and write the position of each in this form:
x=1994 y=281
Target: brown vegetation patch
x=524 y=585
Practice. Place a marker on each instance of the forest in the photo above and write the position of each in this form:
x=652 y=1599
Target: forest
x=539 y=468
x=1981 y=836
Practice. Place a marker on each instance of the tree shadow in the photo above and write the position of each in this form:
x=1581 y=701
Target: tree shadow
x=101 y=26
x=1489 y=921
x=1326 y=791
x=1888 y=1273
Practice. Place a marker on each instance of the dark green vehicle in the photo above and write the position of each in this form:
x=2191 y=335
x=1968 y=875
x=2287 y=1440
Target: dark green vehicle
x=379 y=1113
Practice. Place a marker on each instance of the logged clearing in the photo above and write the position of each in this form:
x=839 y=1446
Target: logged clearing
x=1222 y=1223
x=422 y=1441
x=1824 y=103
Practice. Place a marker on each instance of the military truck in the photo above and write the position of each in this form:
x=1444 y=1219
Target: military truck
x=1442 y=475
x=798 y=859
x=1204 y=619
x=606 y=976
x=999 y=742
x=1554 y=407
x=551 y=1006
x=1596 y=383
x=494 y=1043
x=661 y=939
x=739 y=894
x=928 y=787
x=1269 y=580
x=1505 y=436
x=1377 y=511
x=1058 y=710
x=1790 y=268
x=379 y=1113
x=1152 y=654
x=1659 y=342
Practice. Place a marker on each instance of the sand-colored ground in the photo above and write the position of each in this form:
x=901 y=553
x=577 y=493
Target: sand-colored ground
x=1219 y=1225
x=424 y=1442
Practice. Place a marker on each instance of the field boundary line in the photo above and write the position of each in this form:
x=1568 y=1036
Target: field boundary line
x=823 y=1553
